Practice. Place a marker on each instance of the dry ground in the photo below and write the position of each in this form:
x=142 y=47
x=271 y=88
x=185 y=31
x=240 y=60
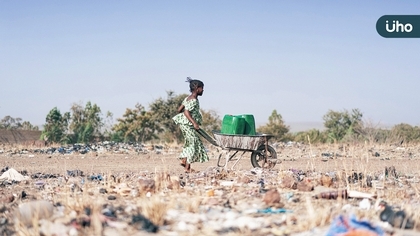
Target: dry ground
x=356 y=158
x=347 y=158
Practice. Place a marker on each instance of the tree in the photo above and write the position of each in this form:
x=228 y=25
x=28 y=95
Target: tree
x=341 y=124
x=56 y=126
x=11 y=123
x=108 y=125
x=276 y=127
x=86 y=122
x=136 y=125
x=373 y=133
x=314 y=135
x=26 y=125
x=211 y=121
x=163 y=110
x=406 y=133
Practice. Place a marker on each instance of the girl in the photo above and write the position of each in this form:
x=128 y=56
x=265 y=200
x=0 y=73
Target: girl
x=189 y=120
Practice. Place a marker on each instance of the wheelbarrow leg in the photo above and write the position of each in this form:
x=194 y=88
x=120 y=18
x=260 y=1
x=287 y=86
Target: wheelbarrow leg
x=236 y=162
x=218 y=160
x=226 y=154
x=228 y=158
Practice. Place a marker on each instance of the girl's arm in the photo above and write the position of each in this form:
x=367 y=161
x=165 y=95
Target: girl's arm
x=181 y=108
x=189 y=117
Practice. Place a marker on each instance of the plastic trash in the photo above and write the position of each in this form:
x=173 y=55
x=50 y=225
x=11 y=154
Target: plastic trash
x=74 y=173
x=343 y=224
x=344 y=194
x=273 y=210
x=141 y=222
x=333 y=194
x=396 y=218
x=12 y=175
x=365 y=204
x=40 y=183
x=288 y=195
x=96 y=177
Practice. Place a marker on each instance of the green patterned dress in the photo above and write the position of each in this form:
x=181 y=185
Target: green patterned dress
x=193 y=148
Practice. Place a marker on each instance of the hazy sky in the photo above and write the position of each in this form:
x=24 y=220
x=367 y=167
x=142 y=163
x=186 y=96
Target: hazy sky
x=301 y=58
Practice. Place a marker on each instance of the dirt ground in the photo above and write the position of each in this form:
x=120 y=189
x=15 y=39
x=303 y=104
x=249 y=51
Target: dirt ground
x=370 y=160
x=287 y=158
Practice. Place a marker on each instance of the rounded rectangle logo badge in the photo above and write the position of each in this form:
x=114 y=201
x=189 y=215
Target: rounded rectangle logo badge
x=399 y=26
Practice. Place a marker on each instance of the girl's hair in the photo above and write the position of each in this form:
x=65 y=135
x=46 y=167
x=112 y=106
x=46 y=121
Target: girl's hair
x=194 y=83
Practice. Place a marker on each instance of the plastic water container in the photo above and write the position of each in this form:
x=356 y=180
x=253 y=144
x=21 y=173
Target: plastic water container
x=249 y=124
x=233 y=125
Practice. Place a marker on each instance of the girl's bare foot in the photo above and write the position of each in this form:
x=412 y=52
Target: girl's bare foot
x=188 y=169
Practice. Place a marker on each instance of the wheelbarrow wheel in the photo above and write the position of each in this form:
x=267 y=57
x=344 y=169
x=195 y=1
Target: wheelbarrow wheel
x=258 y=157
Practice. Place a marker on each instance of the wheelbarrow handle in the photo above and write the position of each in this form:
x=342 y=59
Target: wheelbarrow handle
x=205 y=135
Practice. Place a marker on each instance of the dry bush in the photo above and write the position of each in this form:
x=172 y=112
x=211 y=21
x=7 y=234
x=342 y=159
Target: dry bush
x=154 y=209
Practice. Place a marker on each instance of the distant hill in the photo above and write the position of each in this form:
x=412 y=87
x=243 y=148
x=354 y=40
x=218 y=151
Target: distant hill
x=19 y=136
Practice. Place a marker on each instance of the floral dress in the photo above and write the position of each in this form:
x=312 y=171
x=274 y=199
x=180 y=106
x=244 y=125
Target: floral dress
x=193 y=148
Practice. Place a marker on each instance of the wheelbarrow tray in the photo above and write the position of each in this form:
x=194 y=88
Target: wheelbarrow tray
x=240 y=142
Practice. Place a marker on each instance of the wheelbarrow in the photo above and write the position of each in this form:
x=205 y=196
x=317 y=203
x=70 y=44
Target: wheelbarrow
x=262 y=154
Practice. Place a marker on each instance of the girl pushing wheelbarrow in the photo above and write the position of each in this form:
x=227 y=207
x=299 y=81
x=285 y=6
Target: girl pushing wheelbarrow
x=189 y=120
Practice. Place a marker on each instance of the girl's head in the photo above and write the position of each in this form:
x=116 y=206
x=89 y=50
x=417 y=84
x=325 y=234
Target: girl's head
x=195 y=84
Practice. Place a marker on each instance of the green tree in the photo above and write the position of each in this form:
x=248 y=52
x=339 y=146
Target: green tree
x=163 y=110
x=276 y=127
x=342 y=124
x=136 y=125
x=86 y=122
x=56 y=126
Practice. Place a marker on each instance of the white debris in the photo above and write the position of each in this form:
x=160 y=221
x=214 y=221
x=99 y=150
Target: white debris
x=12 y=175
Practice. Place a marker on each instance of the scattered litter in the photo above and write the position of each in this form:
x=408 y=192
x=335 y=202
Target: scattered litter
x=396 y=218
x=143 y=223
x=365 y=204
x=12 y=175
x=351 y=225
x=112 y=197
x=274 y=211
x=334 y=194
x=74 y=173
x=96 y=177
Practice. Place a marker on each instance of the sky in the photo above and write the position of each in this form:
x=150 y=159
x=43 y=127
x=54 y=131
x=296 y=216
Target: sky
x=301 y=58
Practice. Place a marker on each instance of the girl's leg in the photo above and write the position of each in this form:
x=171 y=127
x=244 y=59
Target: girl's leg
x=183 y=161
x=187 y=167
x=188 y=150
